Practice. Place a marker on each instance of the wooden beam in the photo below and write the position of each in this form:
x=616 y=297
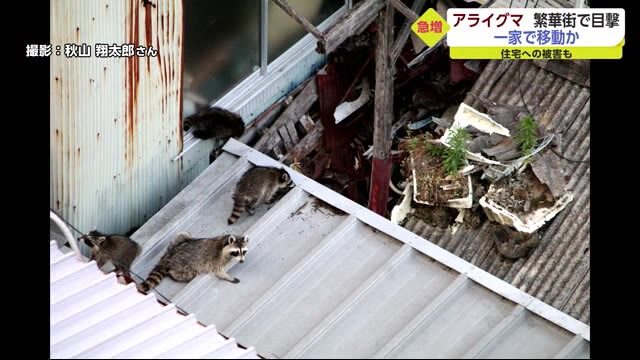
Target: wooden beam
x=284 y=135
x=258 y=127
x=284 y=5
x=404 y=10
x=349 y=24
x=405 y=31
x=300 y=105
x=312 y=141
x=382 y=115
x=383 y=107
x=307 y=123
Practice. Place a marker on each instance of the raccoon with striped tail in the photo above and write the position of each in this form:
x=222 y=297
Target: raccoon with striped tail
x=118 y=249
x=186 y=257
x=258 y=185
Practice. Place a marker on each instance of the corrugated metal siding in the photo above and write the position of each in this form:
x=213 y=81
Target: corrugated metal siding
x=557 y=272
x=323 y=284
x=115 y=122
x=93 y=316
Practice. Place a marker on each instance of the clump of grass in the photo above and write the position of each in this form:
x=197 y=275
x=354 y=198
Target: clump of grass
x=528 y=134
x=434 y=150
x=412 y=143
x=454 y=156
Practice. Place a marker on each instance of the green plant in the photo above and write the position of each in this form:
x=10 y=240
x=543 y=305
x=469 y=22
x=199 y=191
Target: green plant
x=454 y=155
x=527 y=135
x=433 y=149
x=412 y=143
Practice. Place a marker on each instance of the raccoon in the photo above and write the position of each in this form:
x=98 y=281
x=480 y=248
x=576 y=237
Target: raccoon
x=354 y=50
x=513 y=244
x=258 y=185
x=187 y=257
x=118 y=249
x=363 y=137
x=214 y=123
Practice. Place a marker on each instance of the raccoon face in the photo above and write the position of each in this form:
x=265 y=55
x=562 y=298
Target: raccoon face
x=86 y=239
x=237 y=248
x=100 y=240
x=186 y=124
x=91 y=238
x=94 y=234
x=284 y=180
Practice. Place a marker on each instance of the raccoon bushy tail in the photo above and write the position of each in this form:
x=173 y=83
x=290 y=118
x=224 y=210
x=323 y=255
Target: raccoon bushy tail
x=239 y=207
x=180 y=238
x=155 y=277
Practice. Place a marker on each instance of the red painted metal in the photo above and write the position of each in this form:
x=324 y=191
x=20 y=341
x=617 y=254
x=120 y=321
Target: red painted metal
x=379 y=193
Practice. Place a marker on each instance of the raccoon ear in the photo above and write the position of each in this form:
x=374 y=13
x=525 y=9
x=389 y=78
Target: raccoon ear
x=284 y=177
x=101 y=239
x=246 y=239
x=231 y=239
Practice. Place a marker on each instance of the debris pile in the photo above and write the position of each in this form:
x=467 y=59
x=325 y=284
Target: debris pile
x=449 y=164
x=510 y=158
x=325 y=128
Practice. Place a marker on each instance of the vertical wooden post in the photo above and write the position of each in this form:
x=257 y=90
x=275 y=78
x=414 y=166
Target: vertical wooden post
x=383 y=115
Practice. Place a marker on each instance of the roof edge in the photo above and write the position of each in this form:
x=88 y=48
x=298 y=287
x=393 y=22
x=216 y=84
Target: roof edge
x=383 y=224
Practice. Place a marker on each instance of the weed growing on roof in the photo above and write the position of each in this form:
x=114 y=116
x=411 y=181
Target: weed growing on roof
x=528 y=134
x=434 y=150
x=454 y=156
x=412 y=143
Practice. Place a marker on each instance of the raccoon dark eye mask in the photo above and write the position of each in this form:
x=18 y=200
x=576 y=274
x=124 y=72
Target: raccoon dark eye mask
x=236 y=252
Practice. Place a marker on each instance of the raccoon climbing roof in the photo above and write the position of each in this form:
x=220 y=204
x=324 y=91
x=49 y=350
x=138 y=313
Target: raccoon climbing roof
x=94 y=316
x=326 y=277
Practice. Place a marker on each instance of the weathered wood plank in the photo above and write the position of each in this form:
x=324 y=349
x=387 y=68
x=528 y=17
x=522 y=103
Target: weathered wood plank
x=261 y=124
x=383 y=107
x=300 y=105
x=278 y=152
x=284 y=5
x=405 y=31
x=288 y=144
x=360 y=16
x=293 y=134
x=312 y=141
x=404 y=10
x=382 y=116
x=307 y=123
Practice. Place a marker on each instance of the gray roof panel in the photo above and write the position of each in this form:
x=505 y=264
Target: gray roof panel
x=92 y=315
x=318 y=283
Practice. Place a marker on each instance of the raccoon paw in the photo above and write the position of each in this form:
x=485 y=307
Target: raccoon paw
x=251 y=211
x=235 y=280
x=142 y=287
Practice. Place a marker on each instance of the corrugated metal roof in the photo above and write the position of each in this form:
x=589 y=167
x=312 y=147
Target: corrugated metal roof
x=94 y=316
x=557 y=272
x=326 y=277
